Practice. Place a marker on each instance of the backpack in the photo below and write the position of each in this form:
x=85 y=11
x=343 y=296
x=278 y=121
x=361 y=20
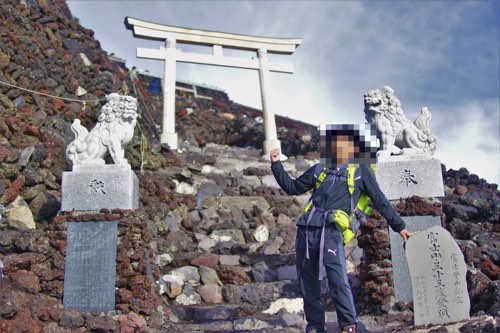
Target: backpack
x=359 y=213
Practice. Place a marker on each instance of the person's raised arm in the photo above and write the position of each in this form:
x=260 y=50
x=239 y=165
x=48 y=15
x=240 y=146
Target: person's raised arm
x=292 y=186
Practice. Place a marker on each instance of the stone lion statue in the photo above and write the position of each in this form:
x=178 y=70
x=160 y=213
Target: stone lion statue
x=396 y=133
x=113 y=131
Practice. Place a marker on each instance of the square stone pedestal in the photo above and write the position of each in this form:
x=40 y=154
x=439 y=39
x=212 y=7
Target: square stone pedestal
x=93 y=187
x=406 y=176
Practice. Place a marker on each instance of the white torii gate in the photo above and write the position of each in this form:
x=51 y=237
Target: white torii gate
x=218 y=40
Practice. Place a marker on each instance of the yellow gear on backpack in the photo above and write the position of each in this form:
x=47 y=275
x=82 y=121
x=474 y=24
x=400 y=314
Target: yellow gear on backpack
x=363 y=205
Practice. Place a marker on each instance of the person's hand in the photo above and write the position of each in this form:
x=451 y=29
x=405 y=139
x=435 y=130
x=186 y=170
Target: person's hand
x=406 y=234
x=275 y=155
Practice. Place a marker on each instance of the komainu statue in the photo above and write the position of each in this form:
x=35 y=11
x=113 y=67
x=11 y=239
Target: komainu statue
x=397 y=134
x=113 y=131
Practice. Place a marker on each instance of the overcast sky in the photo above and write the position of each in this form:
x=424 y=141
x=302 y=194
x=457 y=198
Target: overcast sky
x=439 y=54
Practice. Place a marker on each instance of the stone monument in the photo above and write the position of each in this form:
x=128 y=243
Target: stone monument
x=404 y=168
x=438 y=271
x=92 y=184
x=90 y=266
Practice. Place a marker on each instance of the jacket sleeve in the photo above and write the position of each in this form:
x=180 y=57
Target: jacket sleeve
x=292 y=186
x=370 y=186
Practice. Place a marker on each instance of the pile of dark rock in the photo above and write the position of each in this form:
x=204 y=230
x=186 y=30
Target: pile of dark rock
x=211 y=247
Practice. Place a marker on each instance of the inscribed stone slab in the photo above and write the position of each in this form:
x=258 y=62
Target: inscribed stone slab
x=438 y=271
x=95 y=187
x=406 y=178
x=90 y=267
x=402 y=282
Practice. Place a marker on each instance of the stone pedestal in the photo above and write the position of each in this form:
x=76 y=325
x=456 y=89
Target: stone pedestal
x=90 y=266
x=402 y=177
x=408 y=175
x=93 y=187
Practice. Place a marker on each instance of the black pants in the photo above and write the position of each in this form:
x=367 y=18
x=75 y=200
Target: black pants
x=335 y=265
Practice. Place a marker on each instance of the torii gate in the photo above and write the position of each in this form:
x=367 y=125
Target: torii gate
x=218 y=40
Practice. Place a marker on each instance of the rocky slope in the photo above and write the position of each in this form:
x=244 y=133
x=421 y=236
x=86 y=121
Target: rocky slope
x=211 y=247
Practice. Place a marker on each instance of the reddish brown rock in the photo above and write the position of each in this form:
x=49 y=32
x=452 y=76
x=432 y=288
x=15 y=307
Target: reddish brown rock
x=23 y=322
x=101 y=324
x=233 y=275
x=132 y=323
x=210 y=293
x=13 y=262
x=53 y=288
x=11 y=301
x=3 y=153
x=25 y=281
x=206 y=259
x=71 y=318
x=489 y=268
x=12 y=192
x=124 y=295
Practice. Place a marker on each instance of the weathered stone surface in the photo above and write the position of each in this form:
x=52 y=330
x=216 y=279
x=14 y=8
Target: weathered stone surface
x=12 y=302
x=132 y=323
x=233 y=275
x=209 y=275
x=402 y=281
x=106 y=186
x=261 y=234
x=438 y=272
x=12 y=192
x=250 y=324
x=26 y=281
x=71 y=319
x=211 y=293
x=262 y=273
x=188 y=297
x=90 y=260
x=258 y=293
x=101 y=324
x=231 y=260
x=188 y=274
x=19 y=210
x=403 y=179
x=295 y=305
x=206 y=259
x=44 y=205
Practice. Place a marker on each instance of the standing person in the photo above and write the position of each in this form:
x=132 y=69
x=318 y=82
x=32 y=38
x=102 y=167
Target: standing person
x=320 y=238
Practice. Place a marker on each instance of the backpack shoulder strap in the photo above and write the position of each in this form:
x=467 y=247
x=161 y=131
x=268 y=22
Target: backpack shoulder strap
x=320 y=175
x=351 y=174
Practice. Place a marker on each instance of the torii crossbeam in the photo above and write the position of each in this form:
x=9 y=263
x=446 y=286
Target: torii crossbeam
x=218 y=40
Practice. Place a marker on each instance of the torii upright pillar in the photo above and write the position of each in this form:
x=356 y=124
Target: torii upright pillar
x=168 y=134
x=170 y=54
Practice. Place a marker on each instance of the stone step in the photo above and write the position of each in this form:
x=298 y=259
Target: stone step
x=288 y=322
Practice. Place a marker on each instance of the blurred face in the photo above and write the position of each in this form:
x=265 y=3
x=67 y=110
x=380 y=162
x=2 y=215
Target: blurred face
x=344 y=148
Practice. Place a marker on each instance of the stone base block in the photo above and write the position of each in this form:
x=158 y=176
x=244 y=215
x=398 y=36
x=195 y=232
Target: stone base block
x=95 y=187
x=406 y=178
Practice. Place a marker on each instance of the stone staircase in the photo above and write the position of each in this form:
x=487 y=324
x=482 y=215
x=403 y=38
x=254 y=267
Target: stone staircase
x=238 y=274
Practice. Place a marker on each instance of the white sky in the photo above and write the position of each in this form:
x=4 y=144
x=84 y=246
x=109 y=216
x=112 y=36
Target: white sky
x=439 y=54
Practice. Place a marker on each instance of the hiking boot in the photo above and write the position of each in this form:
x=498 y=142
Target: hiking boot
x=349 y=329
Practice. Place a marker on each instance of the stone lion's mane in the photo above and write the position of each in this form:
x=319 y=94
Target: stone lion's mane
x=416 y=135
